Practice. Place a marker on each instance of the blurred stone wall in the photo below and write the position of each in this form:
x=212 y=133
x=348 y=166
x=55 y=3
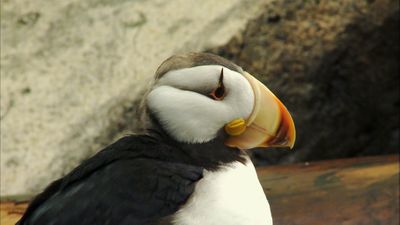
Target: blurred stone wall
x=70 y=70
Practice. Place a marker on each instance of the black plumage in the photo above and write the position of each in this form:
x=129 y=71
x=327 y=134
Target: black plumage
x=140 y=179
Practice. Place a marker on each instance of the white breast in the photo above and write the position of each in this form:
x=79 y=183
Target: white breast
x=230 y=196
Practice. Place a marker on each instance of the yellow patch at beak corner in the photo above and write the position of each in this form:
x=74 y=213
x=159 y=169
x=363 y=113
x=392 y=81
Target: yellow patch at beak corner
x=235 y=127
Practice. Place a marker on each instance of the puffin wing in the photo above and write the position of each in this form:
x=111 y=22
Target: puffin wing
x=115 y=187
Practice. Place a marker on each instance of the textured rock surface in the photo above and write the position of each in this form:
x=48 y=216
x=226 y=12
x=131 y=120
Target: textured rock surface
x=335 y=64
x=70 y=69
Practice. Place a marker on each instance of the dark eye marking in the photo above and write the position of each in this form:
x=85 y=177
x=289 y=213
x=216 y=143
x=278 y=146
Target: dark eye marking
x=219 y=92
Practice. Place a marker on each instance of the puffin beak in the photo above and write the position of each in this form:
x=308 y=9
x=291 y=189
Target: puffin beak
x=269 y=125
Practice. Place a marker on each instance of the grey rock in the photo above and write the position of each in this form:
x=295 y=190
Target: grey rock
x=70 y=69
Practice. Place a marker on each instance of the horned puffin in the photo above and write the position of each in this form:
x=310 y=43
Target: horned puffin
x=189 y=166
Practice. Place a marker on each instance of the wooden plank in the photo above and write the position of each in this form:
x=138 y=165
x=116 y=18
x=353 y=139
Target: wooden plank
x=345 y=191
x=10 y=212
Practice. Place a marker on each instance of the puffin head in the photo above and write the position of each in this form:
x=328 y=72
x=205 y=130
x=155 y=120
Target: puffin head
x=198 y=96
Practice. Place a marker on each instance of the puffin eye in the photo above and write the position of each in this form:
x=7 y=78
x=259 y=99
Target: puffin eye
x=219 y=92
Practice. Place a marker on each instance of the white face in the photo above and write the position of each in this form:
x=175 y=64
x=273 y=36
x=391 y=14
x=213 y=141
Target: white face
x=180 y=101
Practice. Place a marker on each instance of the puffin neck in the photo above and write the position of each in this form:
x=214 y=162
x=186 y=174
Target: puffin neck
x=210 y=155
x=214 y=154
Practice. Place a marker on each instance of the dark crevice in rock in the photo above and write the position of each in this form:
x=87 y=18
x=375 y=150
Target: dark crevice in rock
x=337 y=71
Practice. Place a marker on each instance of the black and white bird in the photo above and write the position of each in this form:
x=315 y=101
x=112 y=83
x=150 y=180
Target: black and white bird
x=190 y=166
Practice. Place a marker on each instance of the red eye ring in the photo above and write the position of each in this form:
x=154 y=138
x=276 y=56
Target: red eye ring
x=219 y=92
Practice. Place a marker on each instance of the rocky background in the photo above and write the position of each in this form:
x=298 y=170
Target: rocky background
x=335 y=65
x=72 y=70
x=72 y=73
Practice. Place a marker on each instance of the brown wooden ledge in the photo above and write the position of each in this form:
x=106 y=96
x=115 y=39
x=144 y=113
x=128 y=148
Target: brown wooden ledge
x=345 y=191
